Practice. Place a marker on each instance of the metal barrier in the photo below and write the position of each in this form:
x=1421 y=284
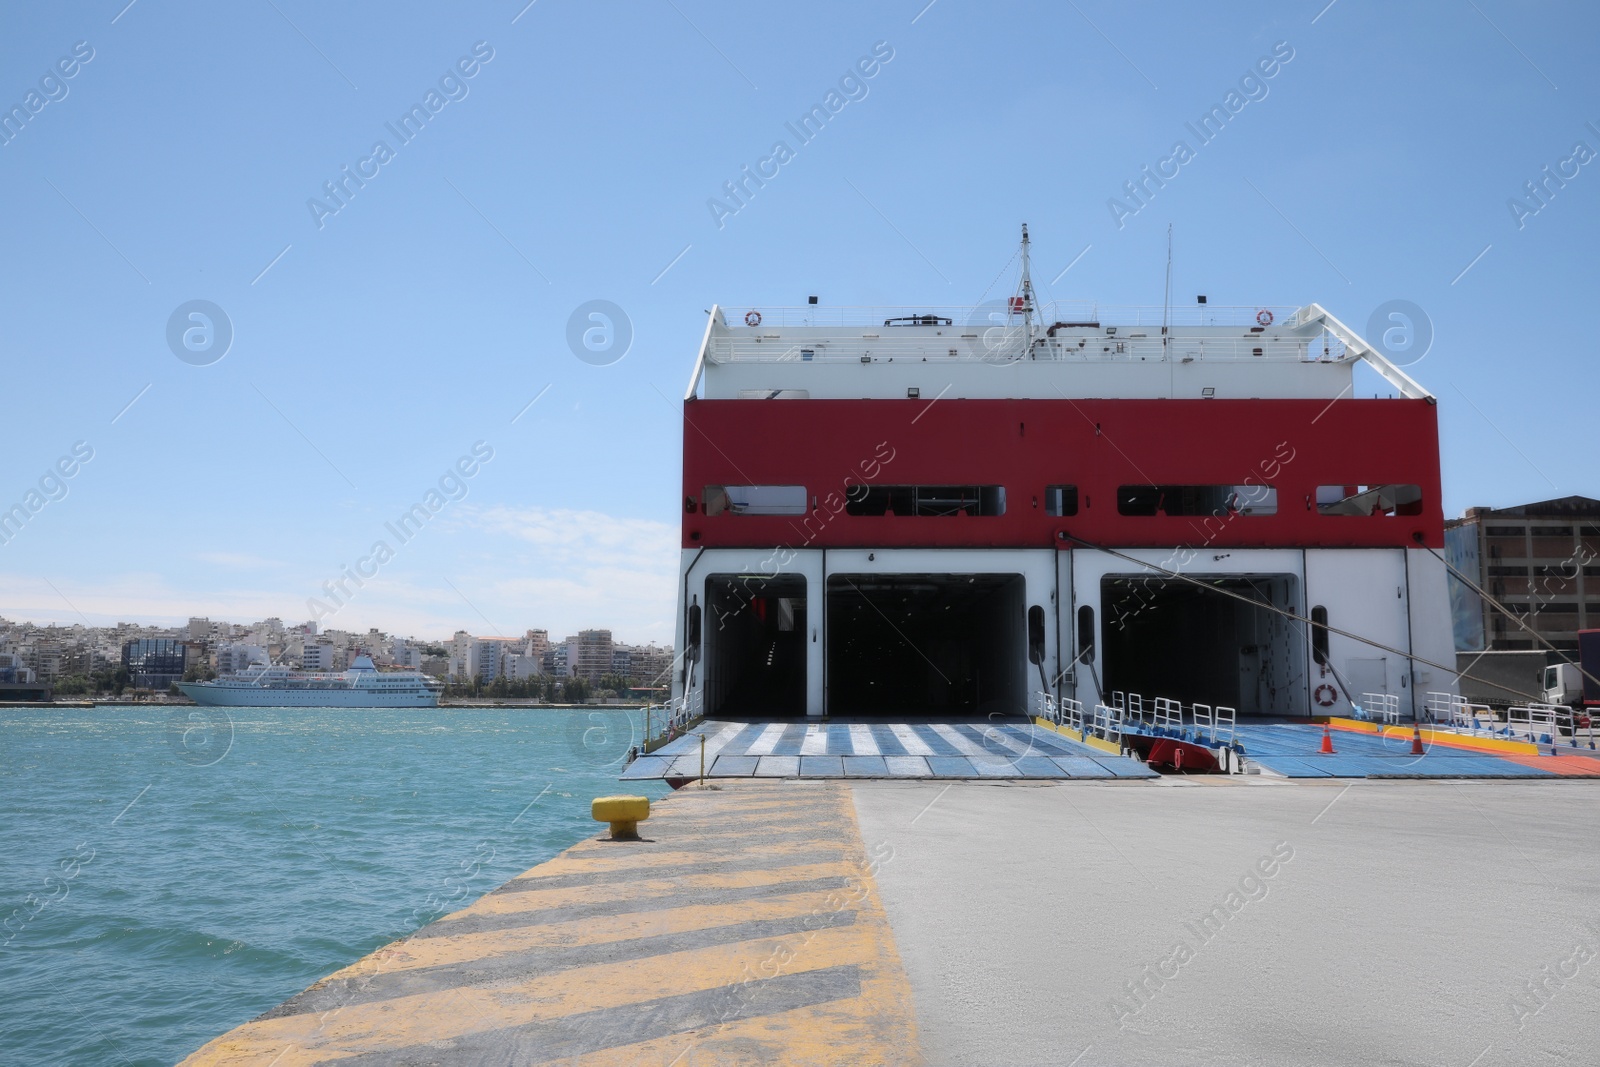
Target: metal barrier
x=1107 y=723
x=1440 y=706
x=1205 y=724
x=1072 y=713
x=1537 y=723
x=1133 y=710
x=1045 y=707
x=1168 y=714
x=1222 y=718
x=1380 y=707
x=672 y=718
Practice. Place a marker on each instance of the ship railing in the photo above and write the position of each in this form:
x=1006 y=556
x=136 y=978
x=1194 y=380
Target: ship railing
x=1002 y=347
x=1380 y=708
x=1538 y=723
x=1072 y=714
x=1224 y=719
x=1107 y=724
x=1045 y=707
x=1167 y=714
x=670 y=719
x=1003 y=313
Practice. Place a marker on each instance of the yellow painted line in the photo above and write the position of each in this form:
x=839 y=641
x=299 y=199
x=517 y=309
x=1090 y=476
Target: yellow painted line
x=368 y=1028
x=605 y=858
x=816 y=979
x=419 y=953
x=643 y=891
x=1082 y=738
x=1431 y=736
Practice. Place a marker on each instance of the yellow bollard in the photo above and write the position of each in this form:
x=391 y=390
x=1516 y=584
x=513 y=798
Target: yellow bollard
x=624 y=813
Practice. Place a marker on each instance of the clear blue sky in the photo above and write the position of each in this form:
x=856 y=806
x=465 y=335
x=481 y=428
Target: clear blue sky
x=423 y=316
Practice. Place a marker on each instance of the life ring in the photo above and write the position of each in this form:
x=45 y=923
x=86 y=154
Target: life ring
x=1263 y=317
x=752 y=318
x=1326 y=695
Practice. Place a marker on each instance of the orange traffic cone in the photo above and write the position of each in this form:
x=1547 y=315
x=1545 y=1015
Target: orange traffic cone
x=1327 y=742
x=1416 y=741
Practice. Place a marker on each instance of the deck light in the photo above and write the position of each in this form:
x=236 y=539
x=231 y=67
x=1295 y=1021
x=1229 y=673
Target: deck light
x=913 y=393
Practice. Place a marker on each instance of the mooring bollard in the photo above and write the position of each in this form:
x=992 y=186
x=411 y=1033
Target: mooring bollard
x=624 y=813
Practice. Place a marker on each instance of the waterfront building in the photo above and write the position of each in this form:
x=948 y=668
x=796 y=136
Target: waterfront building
x=1540 y=560
x=154 y=662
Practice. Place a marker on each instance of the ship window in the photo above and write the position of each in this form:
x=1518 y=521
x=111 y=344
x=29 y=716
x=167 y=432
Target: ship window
x=1388 y=500
x=1197 y=500
x=755 y=499
x=926 y=500
x=1061 y=500
x=1319 y=634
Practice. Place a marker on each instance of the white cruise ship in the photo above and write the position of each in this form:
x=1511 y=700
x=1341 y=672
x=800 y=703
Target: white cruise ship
x=362 y=686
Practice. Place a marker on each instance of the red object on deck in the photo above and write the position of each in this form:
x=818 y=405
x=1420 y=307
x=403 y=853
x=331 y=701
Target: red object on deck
x=1416 y=741
x=1327 y=742
x=1167 y=752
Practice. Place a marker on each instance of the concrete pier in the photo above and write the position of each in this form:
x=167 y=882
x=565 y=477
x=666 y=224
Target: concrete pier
x=743 y=928
x=1208 y=920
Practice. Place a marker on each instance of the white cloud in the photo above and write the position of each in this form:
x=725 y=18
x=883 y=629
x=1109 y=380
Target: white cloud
x=511 y=569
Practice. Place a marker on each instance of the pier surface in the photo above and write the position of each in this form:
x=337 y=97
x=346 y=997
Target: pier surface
x=744 y=928
x=1207 y=920
x=1402 y=922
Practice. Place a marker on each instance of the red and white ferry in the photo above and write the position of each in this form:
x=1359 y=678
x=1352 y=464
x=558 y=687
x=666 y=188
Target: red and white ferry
x=930 y=512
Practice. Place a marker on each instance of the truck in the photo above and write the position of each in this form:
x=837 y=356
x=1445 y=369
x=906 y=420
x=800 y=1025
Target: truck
x=1575 y=685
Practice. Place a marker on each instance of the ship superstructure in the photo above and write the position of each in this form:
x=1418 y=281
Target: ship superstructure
x=362 y=686
x=945 y=511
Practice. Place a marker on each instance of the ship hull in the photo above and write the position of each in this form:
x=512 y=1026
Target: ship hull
x=260 y=697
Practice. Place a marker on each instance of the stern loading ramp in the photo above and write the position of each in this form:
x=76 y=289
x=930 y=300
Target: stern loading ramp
x=1018 y=750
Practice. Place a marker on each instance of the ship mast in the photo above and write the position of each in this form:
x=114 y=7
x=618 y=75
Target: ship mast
x=1027 y=296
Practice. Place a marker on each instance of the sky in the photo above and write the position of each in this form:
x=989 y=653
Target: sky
x=354 y=353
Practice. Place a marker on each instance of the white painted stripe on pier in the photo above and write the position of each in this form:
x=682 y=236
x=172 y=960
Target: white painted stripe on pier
x=815 y=743
x=763 y=745
x=914 y=745
x=862 y=743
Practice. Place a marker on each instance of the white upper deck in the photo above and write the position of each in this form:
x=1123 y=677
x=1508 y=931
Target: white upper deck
x=1060 y=350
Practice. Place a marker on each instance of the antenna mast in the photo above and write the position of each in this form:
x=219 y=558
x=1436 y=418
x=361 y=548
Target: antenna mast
x=1166 y=300
x=1027 y=295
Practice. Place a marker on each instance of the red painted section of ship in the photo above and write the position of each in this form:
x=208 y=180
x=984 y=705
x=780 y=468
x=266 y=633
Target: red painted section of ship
x=1293 y=446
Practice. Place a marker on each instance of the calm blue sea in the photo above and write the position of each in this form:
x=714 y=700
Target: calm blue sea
x=166 y=874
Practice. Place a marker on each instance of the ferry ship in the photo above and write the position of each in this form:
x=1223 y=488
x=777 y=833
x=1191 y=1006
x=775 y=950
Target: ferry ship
x=362 y=686
x=958 y=512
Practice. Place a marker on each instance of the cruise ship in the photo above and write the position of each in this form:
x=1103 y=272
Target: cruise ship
x=362 y=686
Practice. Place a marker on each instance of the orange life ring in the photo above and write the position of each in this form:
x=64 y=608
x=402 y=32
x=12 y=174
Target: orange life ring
x=1326 y=699
x=1263 y=317
x=752 y=318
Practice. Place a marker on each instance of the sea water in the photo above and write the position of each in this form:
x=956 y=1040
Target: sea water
x=169 y=873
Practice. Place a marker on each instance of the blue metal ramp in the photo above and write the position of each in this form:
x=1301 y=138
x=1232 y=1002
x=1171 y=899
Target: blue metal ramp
x=956 y=750
x=1291 y=750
